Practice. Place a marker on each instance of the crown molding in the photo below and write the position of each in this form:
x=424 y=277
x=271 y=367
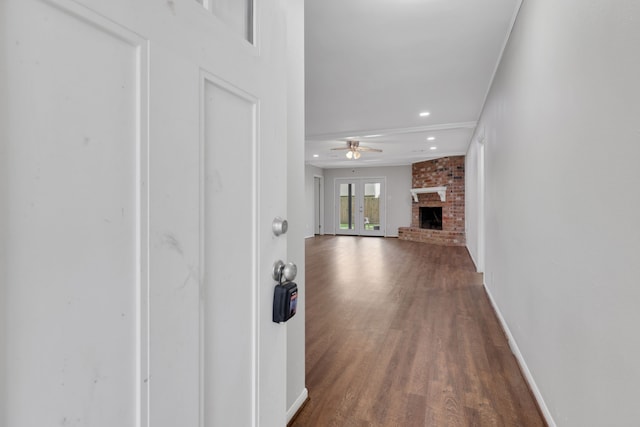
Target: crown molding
x=391 y=131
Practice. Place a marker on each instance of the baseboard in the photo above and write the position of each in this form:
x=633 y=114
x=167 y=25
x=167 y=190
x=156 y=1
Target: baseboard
x=475 y=264
x=308 y=237
x=297 y=405
x=523 y=364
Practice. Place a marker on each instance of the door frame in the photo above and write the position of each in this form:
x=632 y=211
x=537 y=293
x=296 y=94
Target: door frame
x=318 y=205
x=481 y=202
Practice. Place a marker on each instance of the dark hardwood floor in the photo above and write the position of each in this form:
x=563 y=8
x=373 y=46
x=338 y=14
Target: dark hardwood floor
x=402 y=334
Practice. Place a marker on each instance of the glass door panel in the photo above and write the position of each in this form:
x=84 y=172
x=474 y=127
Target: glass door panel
x=373 y=208
x=347 y=208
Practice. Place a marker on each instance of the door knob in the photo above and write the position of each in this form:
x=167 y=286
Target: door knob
x=284 y=272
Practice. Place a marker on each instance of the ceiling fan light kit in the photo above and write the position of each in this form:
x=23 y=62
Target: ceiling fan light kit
x=354 y=149
x=355 y=155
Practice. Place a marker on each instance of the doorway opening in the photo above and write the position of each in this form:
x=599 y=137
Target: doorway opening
x=318 y=205
x=360 y=206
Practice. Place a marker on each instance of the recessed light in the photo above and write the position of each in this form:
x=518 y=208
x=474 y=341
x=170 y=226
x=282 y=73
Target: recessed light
x=371 y=136
x=425 y=114
x=432 y=148
x=316 y=155
x=431 y=138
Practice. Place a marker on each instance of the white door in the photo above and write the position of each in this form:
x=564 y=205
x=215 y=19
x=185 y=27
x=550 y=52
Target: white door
x=360 y=206
x=142 y=159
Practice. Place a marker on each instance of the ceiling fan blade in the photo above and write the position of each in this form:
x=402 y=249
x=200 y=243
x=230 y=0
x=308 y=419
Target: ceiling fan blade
x=375 y=150
x=341 y=148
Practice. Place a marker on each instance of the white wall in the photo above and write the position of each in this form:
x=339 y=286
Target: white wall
x=4 y=237
x=296 y=390
x=398 y=195
x=310 y=214
x=562 y=126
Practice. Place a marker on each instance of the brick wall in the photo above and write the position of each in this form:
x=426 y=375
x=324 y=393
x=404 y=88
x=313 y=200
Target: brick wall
x=449 y=172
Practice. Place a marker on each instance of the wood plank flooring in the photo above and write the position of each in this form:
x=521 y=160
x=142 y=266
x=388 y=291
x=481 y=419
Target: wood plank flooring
x=401 y=333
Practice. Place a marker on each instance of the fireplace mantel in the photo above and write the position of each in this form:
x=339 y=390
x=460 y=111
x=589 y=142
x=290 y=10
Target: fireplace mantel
x=442 y=192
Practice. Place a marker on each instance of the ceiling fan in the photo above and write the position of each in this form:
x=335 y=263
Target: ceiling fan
x=354 y=148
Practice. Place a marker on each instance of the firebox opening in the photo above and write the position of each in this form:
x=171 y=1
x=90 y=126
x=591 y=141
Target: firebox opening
x=431 y=218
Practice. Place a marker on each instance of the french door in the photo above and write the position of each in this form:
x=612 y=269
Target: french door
x=140 y=153
x=360 y=206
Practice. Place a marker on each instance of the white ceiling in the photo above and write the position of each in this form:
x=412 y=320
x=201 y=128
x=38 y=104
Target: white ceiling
x=373 y=65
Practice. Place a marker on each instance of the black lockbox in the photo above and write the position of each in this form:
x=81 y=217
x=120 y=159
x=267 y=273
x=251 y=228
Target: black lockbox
x=285 y=301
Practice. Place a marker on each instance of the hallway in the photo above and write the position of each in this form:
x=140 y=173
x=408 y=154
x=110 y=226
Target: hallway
x=402 y=334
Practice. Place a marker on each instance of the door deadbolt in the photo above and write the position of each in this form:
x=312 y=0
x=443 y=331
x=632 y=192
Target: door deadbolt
x=279 y=226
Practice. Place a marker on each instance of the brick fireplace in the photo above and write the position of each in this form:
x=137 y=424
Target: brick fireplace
x=429 y=180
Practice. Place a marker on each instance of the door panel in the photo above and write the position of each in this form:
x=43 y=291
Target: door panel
x=144 y=145
x=73 y=264
x=229 y=334
x=237 y=14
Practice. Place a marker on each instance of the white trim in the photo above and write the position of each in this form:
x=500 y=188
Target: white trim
x=475 y=264
x=523 y=364
x=395 y=131
x=295 y=407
